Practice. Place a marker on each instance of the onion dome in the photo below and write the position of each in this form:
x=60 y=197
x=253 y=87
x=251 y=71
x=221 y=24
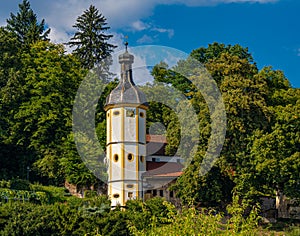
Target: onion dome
x=126 y=91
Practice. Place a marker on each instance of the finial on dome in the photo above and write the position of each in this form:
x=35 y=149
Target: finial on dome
x=126 y=43
x=126 y=91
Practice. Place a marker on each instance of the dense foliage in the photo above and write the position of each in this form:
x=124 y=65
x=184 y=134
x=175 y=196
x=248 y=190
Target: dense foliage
x=38 y=85
x=92 y=216
x=260 y=156
x=39 y=81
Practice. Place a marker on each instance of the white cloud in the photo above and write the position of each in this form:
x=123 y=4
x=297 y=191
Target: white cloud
x=170 y=32
x=148 y=39
x=139 y=25
x=60 y=15
x=145 y=57
x=59 y=36
x=142 y=26
x=145 y=39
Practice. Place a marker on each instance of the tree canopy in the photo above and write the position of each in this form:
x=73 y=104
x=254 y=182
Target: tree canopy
x=39 y=81
x=260 y=153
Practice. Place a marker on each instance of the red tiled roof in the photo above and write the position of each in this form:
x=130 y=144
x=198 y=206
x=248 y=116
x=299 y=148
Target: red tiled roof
x=156 y=138
x=174 y=174
x=163 y=169
x=156 y=144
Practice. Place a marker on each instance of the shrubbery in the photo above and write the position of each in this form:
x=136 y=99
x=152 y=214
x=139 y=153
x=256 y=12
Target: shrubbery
x=93 y=216
x=22 y=190
x=190 y=221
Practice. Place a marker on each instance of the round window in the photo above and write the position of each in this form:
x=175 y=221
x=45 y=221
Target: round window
x=142 y=114
x=129 y=186
x=130 y=157
x=116 y=157
x=116 y=195
x=116 y=113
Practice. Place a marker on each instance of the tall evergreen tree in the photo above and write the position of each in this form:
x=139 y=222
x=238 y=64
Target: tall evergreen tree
x=26 y=26
x=90 y=39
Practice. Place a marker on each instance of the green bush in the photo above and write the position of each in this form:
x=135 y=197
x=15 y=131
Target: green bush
x=9 y=195
x=73 y=217
x=5 y=184
x=89 y=194
x=20 y=184
x=93 y=216
x=294 y=231
x=31 y=219
x=164 y=220
x=55 y=194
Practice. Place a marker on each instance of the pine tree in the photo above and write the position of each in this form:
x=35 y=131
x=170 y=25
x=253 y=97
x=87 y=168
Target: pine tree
x=25 y=25
x=90 y=40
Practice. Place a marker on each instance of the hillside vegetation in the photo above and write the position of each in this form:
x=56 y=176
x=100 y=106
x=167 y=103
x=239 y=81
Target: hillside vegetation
x=38 y=84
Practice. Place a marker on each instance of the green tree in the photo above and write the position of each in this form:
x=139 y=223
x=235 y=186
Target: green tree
x=244 y=95
x=41 y=112
x=274 y=158
x=260 y=155
x=74 y=169
x=13 y=161
x=204 y=55
x=90 y=40
x=161 y=110
x=25 y=25
x=8 y=54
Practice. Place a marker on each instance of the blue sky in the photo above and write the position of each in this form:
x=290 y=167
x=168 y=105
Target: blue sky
x=269 y=28
x=270 y=31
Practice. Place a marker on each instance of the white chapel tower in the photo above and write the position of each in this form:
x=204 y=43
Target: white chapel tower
x=126 y=136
